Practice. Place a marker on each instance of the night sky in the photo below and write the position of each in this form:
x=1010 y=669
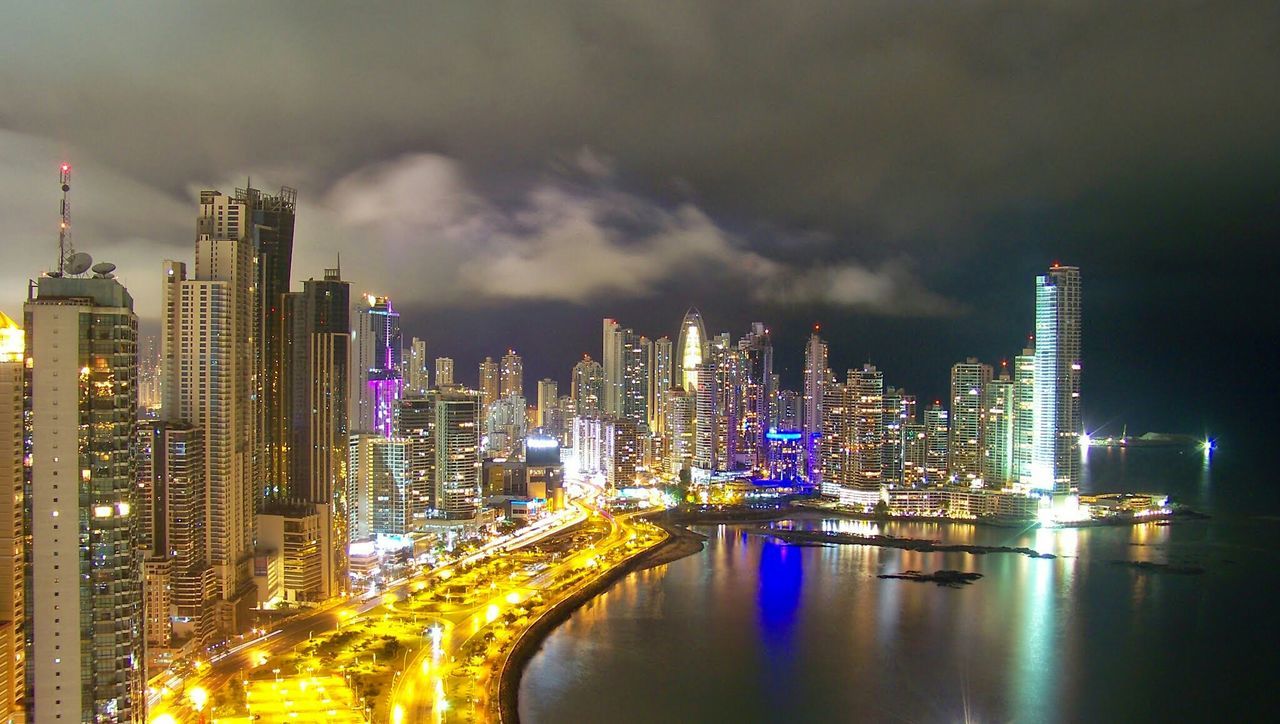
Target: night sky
x=896 y=171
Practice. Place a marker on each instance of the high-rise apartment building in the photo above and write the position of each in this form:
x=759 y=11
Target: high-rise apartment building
x=444 y=371
x=663 y=378
x=756 y=380
x=548 y=399
x=998 y=409
x=815 y=375
x=866 y=399
x=1024 y=414
x=834 y=439
x=488 y=385
x=213 y=375
x=936 y=426
x=418 y=374
x=587 y=386
x=511 y=375
x=377 y=374
x=83 y=591
x=679 y=439
x=964 y=449
x=1055 y=464
x=12 y=543
x=611 y=363
x=893 y=419
x=633 y=401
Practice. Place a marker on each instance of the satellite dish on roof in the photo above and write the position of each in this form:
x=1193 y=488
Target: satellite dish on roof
x=103 y=268
x=77 y=263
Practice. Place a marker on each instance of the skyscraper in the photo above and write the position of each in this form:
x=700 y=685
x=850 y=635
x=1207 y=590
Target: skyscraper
x=83 y=594
x=936 y=431
x=757 y=391
x=1024 y=414
x=679 y=441
x=548 y=398
x=488 y=384
x=512 y=375
x=268 y=221
x=998 y=409
x=815 y=375
x=611 y=364
x=692 y=350
x=457 y=484
x=377 y=375
x=212 y=374
x=444 y=371
x=419 y=376
x=663 y=356
x=633 y=402
x=866 y=398
x=416 y=428
x=893 y=419
x=1055 y=464
x=587 y=386
x=319 y=343
x=834 y=443
x=964 y=449
x=12 y=545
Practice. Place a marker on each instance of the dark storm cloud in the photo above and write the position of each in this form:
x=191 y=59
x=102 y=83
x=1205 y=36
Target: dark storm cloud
x=834 y=158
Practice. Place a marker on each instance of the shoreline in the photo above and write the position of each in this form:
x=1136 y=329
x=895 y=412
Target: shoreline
x=679 y=543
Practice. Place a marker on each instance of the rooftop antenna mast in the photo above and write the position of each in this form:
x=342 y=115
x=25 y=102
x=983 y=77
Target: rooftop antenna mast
x=64 y=228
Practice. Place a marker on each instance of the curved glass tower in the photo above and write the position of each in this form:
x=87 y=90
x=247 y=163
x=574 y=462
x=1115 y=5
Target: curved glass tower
x=691 y=349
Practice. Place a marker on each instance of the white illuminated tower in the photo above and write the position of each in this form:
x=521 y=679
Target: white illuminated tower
x=692 y=350
x=1055 y=463
x=587 y=386
x=511 y=375
x=84 y=584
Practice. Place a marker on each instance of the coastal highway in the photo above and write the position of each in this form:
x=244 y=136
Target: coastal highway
x=221 y=669
x=427 y=690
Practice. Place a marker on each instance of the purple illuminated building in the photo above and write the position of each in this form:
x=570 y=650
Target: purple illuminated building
x=378 y=371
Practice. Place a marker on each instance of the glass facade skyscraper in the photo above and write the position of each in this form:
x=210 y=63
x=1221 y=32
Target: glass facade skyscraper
x=1055 y=462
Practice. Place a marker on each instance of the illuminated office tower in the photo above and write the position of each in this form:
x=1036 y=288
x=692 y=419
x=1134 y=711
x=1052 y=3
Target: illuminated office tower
x=212 y=381
x=511 y=382
x=893 y=419
x=12 y=546
x=419 y=376
x=756 y=385
x=834 y=441
x=444 y=371
x=866 y=398
x=680 y=438
x=936 y=429
x=1024 y=414
x=488 y=384
x=83 y=589
x=457 y=484
x=815 y=376
x=663 y=371
x=692 y=350
x=377 y=381
x=998 y=408
x=318 y=346
x=548 y=398
x=964 y=448
x=1055 y=463
x=633 y=403
x=587 y=389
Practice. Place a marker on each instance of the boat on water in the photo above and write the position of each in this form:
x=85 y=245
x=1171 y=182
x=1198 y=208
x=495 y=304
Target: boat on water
x=1152 y=439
